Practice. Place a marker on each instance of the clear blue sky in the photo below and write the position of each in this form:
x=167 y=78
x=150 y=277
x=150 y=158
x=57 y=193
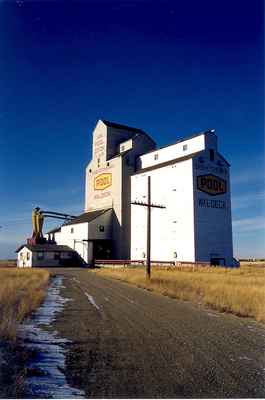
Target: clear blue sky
x=172 y=68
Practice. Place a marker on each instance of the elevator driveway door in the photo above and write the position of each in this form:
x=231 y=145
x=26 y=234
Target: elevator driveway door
x=102 y=249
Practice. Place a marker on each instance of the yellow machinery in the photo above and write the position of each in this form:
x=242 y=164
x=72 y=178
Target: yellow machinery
x=38 y=216
x=37 y=223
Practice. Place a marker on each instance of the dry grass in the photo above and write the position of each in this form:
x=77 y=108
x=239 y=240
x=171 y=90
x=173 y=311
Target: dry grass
x=8 y=263
x=21 y=292
x=238 y=291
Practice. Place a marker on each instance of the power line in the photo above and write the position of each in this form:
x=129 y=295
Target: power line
x=149 y=205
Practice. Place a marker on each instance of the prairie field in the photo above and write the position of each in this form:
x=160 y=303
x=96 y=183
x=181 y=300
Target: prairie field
x=239 y=291
x=21 y=292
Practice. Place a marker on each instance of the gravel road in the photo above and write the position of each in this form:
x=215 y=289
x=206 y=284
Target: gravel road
x=131 y=343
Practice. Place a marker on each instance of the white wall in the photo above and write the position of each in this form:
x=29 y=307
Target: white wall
x=74 y=239
x=119 y=168
x=22 y=261
x=127 y=145
x=172 y=228
x=75 y=234
x=171 y=152
x=213 y=224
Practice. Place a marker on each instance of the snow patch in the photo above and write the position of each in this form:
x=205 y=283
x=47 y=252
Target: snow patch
x=46 y=377
x=245 y=358
x=213 y=315
x=92 y=301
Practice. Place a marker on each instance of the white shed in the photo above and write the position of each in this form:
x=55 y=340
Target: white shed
x=45 y=255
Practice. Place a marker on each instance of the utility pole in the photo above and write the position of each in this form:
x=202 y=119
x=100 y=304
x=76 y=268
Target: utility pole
x=149 y=205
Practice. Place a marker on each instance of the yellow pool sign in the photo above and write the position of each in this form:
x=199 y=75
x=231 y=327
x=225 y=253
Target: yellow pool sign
x=102 y=181
x=211 y=184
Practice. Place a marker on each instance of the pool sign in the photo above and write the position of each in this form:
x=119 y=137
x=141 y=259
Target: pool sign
x=211 y=184
x=102 y=181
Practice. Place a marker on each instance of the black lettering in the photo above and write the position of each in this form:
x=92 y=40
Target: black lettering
x=203 y=182
x=209 y=184
x=215 y=185
x=211 y=203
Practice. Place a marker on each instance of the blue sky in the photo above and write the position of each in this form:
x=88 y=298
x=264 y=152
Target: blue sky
x=171 y=68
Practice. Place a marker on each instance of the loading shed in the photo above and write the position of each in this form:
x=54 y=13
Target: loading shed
x=45 y=255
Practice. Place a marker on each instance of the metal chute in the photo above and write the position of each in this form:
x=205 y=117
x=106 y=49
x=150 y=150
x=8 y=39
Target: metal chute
x=38 y=217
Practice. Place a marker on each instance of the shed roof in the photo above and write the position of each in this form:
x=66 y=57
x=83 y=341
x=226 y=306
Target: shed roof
x=54 y=230
x=87 y=217
x=128 y=128
x=47 y=247
x=121 y=126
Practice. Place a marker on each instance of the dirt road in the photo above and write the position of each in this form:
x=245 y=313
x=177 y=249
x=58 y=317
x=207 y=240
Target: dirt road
x=128 y=342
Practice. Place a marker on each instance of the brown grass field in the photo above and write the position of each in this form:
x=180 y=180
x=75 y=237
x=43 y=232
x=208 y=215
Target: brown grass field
x=239 y=291
x=8 y=263
x=21 y=292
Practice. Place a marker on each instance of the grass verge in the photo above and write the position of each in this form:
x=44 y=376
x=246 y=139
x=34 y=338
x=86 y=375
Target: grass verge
x=21 y=292
x=238 y=291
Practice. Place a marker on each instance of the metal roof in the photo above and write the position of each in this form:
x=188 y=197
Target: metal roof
x=126 y=127
x=54 y=230
x=87 y=217
x=121 y=126
x=47 y=247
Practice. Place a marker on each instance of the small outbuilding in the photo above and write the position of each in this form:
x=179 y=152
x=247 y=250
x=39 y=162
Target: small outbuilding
x=45 y=255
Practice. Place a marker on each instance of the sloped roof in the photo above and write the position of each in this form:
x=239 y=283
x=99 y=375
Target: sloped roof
x=46 y=247
x=54 y=230
x=126 y=127
x=222 y=157
x=87 y=217
x=121 y=126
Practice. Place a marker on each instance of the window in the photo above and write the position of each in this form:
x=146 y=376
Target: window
x=122 y=148
x=156 y=157
x=101 y=228
x=185 y=147
x=72 y=230
x=90 y=170
x=57 y=256
x=98 y=162
x=28 y=255
x=107 y=164
x=40 y=255
x=211 y=155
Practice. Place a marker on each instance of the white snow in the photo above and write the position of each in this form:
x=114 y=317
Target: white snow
x=92 y=301
x=49 y=361
x=212 y=315
x=245 y=358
